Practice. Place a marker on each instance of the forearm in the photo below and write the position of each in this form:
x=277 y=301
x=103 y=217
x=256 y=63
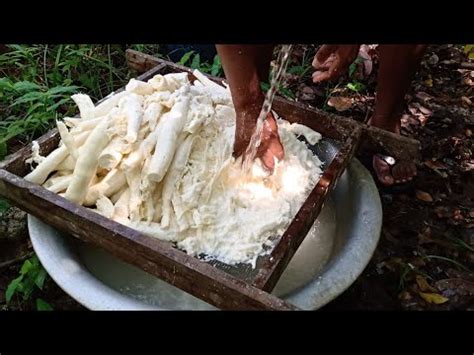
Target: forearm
x=240 y=67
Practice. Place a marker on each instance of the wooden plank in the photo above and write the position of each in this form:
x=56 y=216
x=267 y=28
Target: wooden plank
x=376 y=140
x=281 y=255
x=154 y=256
x=140 y=61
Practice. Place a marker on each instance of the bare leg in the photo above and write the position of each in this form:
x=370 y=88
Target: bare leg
x=398 y=64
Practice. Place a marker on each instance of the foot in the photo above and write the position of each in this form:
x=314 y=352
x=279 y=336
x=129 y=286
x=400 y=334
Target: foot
x=388 y=170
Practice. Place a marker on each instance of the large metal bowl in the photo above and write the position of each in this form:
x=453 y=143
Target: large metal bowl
x=329 y=260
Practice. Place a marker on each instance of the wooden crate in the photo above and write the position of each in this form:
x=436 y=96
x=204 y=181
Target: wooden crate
x=161 y=258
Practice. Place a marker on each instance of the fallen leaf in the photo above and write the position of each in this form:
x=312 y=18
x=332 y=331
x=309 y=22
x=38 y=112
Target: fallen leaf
x=423 y=196
x=468 y=81
x=424 y=285
x=448 y=62
x=422 y=118
x=467 y=165
x=435 y=164
x=429 y=82
x=425 y=110
x=340 y=103
x=364 y=53
x=469 y=50
x=435 y=298
x=461 y=286
x=466 y=100
x=413 y=108
x=433 y=60
x=423 y=96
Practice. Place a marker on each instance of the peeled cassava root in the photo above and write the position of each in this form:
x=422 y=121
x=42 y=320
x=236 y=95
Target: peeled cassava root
x=125 y=157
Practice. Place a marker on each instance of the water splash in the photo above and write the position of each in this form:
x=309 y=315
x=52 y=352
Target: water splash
x=277 y=73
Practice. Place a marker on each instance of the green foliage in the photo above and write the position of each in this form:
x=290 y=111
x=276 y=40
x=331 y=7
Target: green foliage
x=4 y=206
x=355 y=86
x=185 y=58
x=216 y=68
x=193 y=60
x=42 y=305
x=151 y=49
x=353 y=66
x=36 y=82
x=32 y=276
x=281 y=89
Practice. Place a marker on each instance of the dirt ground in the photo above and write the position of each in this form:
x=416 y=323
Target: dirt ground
x=425 y=258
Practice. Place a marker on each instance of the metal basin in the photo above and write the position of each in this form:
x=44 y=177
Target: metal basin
x=332 y=256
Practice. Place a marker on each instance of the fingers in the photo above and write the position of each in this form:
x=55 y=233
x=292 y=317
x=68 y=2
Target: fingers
x=320 y=76
x=332 y=61
x=270 y=147
x=322 y=55
x=333 y=72
x=268 y=160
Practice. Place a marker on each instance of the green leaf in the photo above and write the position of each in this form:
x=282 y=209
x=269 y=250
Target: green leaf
x=12 y=287
x=62 y=90
x=216 y=66
x=35 y=261
x=42 y=305
x=5 y=84
x=265 y=87
x=34 y=107
x=26 y=86
x=184 y=59
x=297 y=70
x=196 y=61
x=28 y=97
x=352 y=69
x=4 y=206
x=3 y=150
x=27 y=266
x=27 y=287
x=40 y=278
x=204 y=67
x=353 y=66
x=355 y=86
x=287 y=92
x=57 y=104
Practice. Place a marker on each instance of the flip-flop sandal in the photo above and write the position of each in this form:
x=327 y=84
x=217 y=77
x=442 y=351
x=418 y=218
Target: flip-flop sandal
x=367 y=161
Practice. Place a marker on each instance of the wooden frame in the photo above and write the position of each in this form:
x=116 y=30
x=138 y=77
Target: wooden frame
x=160 y=258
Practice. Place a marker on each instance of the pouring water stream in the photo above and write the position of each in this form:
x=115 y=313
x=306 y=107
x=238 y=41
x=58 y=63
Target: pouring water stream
x=277 y=73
